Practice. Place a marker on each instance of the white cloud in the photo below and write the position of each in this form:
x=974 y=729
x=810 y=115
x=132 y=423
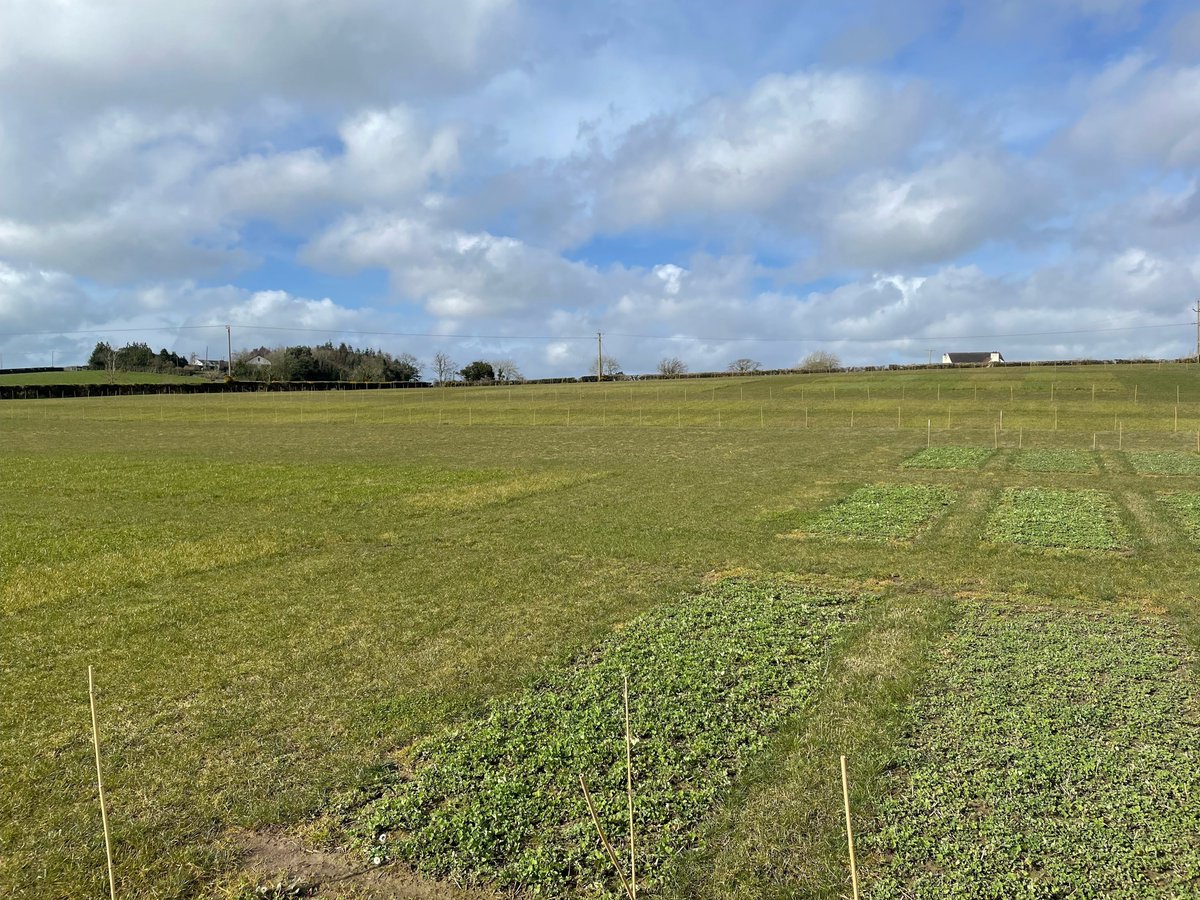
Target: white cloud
x=455 y=274
x=936 y=212
x=386 y=155
x=753 y=152
x=1141 y=116
x=222 y=52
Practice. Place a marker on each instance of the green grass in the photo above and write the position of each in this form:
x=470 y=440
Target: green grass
x=881 y=512
x=711 y=676
x=1164 y=463
x=949 y=458
x=278 y=591
x=1051 y=754
x=1054 y=461
x=1074 y=520
x=96 y=376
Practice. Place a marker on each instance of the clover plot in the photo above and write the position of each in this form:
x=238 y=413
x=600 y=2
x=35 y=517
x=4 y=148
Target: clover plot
x=880 y=512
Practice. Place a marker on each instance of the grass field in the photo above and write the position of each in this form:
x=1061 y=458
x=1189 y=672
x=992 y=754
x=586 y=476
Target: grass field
x=285 y=595
x=95 y=376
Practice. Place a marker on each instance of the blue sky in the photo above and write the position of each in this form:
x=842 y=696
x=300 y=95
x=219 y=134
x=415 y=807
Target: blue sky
x=503 y=179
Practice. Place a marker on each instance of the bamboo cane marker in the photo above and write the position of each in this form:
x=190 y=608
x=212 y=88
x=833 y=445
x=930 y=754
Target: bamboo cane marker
x=612 y=856
x=849 y=830
x=112 y=885
x=629 y=791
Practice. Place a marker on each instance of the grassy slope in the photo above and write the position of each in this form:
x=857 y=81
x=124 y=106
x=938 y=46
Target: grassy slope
x=266 y=647
x=94 y=376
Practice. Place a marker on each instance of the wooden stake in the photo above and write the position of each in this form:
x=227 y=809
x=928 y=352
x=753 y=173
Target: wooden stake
x=612 y=856
x=112 y=884
x=928 y=433
x=1021 y=437
x=629 y=790
x=849 y=829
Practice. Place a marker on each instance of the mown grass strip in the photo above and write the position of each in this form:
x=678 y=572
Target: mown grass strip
x=1047 y=519
x=881 y=512
x=949 y=458
x=782 y=836
x=1164 y=463
x=711 y=677
x=1055 y=461
x=1052 y=754
x=23 y=587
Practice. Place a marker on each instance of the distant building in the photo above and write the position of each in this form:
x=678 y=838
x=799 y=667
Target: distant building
x=208 y=365
x=258 y=362
x=989 y=356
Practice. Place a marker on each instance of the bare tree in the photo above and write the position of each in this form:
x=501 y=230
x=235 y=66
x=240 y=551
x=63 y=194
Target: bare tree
x=506 y=370
x=820 y=361
x=444 y=367
x=671 y=367
x=744 y=365
x=611 y=366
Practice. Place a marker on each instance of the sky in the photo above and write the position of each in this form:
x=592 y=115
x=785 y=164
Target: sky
x=506 y=178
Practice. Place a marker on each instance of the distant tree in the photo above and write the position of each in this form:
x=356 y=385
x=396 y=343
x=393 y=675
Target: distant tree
x=610 y=366
x=506 y=370
x=404 y=367
x=444 y=368
x=369 y=368
x=166 y=360
x=302 y=363
x=478 y=371
x=744 y=365
x=101 y=357
x=671 y=367
x=134 y=356
x=820 y=361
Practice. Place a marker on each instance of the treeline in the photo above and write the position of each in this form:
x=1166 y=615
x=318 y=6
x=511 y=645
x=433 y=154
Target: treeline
x=135 y=357
x=325 y=362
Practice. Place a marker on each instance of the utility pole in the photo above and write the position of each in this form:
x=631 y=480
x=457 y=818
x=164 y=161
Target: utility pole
x=930 y=357
x=229 y=347
x=599 y=357
x=1196 y=310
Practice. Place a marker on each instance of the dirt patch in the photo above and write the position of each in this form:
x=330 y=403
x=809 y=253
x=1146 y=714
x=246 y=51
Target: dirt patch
x=280 y=862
